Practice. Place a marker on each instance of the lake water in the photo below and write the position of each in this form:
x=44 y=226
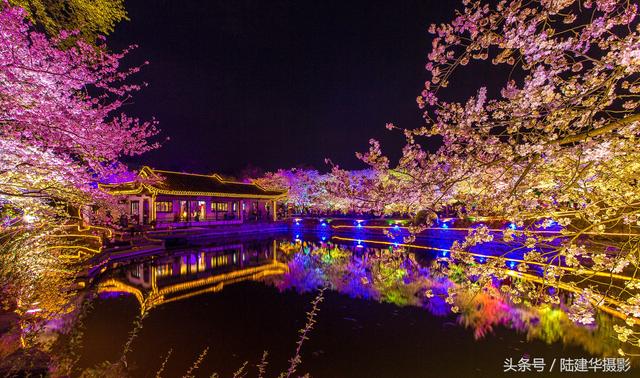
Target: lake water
x=242 y=297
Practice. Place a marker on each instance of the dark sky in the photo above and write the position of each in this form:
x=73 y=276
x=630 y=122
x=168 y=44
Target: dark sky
x=276 y=84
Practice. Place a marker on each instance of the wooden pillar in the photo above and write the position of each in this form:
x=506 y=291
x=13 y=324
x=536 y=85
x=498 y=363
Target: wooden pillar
x=152 y=209
x=153 y=277
x=275 y=210
x=140 y=209
x=275 y=251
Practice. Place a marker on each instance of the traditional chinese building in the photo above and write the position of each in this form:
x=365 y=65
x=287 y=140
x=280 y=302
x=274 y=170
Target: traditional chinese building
x=168 y=199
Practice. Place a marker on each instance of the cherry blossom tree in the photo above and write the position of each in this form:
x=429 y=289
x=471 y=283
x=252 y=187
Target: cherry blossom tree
x=301 y=186
x=553 y=153
x=62 y=132
x=91 y=18
x=340 y=190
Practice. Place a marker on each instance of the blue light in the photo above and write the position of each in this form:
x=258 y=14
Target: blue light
x=324 y=238
x=511 y=264
x=397 y=227
x=512 y=226
x=297 y=236
x=444 y=253
x=481 y=260
x=323 y=224
x=395 y=244
x=359 y=225
x=444 y=225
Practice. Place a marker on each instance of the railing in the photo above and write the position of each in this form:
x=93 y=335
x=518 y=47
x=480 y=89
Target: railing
x=161 y=225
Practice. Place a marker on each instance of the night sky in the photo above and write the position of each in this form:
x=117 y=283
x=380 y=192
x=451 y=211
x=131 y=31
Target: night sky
x=277 y=84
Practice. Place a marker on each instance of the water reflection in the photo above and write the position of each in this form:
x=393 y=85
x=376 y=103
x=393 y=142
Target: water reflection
x=395 y=275
x=183 y=275
x=358 y=269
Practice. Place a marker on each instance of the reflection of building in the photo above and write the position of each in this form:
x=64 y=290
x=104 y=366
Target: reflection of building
x=181 y=276
x=167 y=198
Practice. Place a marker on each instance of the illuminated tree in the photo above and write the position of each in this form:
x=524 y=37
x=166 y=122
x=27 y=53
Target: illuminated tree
x=356 y=191
x=338 y=191
x=301 y=186
x=90 y=17
x=554 y=151
x=62 y=133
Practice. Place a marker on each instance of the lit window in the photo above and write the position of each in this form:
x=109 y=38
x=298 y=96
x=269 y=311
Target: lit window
x=137 y=271
x=164 y=207
x=219 y=206
x=201 y=209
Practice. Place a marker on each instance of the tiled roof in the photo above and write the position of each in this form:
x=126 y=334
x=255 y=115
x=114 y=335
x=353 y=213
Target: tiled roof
x=194 y=183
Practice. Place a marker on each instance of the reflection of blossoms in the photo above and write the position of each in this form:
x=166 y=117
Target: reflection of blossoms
x=354 y=279
x=302 y=275
x=394 y=276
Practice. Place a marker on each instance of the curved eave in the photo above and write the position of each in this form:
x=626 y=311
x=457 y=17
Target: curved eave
x=156 y=191
x=215 y=194
x=108 y=188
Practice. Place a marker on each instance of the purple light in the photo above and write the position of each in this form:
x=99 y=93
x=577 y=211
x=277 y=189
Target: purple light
x=111 y=294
